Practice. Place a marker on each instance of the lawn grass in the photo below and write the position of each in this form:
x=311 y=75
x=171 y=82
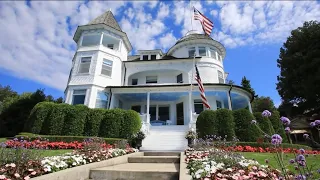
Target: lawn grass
x=3 y=139
x=46 y=153
x=312 y=161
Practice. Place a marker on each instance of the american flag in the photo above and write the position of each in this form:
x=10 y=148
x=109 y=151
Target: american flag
x=201 y=88
x=207 y=25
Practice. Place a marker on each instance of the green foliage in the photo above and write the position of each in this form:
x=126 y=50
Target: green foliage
x=265 y=145
x=131 y=124
x=93 y=121
x=74 y=120
x=207 y=123
x=264 y=123
x=53 y=125
x=245 y=83
x=111 y=123
x=225 y=123
x=6 y=91
x=262 y=103
x=244 y=130
x=277 y=125
x=37 y=116
x=299 y=63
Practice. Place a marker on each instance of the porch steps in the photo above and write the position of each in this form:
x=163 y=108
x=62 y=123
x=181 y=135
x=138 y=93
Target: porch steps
x=155 y=165
x=165 y=138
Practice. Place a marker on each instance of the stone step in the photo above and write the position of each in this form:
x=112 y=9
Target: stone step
x=163 y=148
x=157 y=153
x=137 y=171
x=154 y=159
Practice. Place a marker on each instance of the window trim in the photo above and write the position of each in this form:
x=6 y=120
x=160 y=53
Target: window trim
x=79 y=67
x=79 y=94
x=152 y=82
x=111 y=67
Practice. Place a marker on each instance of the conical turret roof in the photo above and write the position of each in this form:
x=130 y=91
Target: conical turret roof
x=108 y=19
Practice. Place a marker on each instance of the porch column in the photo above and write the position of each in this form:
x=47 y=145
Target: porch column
x=112 y=101
x=148 y=105
x=229 y=101
x=190 y=107
x=249 y=104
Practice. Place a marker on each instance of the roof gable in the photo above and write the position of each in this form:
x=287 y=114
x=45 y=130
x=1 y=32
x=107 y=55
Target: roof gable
x=108 y=19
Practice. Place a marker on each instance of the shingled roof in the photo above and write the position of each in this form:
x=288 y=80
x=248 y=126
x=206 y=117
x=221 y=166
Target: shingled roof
x=108 y=19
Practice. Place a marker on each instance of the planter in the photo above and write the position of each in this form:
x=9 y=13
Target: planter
x=190 y=142
x=138 y=143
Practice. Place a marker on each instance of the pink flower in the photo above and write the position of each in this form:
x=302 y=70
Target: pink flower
x=16 y=175
x=241 y=171
x=254 y=167
x=2 y=177
x=33 y=173
x=262 y=174
x=13 y=165
x=30 y=170
x=26 y=178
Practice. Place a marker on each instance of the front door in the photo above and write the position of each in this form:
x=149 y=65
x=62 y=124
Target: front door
x=180 y=118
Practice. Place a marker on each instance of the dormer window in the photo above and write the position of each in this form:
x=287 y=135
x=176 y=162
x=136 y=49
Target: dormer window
x=145 y=57
x=202 y=51
x=110 y=42
x=110 y=46
x=192 y=52
x=91 y=40
x=153 y=57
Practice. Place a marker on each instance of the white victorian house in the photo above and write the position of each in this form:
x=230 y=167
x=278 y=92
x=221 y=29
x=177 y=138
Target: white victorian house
x=154 y=83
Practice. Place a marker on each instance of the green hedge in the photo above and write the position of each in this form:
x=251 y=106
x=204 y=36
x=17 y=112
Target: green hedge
x=207 y=123
x=93 y=121
x=111 y=123
x=37 y=116
x=265 y=145
x=226 y=125
x=131 y=124
x=277 y=125
x=53 y=125
x=264 y=123
x=74 y=120
x=245 y=131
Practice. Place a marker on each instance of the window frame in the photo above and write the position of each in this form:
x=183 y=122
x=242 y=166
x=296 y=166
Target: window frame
x=108 y=66
x=219 y=102
x=153 y=55
x=215 y=55
x=143 y=56
x=153 y=82
x=178 y=77
x=81 y=63
x=99 y=99
x=205 y=51
x=79 y=94
x=90 y=34
x=198 y=102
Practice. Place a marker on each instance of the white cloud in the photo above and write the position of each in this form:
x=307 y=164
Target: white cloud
x=167 y=41
x=163 y=10
x=214 y=13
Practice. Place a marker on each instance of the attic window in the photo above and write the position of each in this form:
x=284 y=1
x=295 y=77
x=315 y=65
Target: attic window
x=145 y=57
x=153 y=57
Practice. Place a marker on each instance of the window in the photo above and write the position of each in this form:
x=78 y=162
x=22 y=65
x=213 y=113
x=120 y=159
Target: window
x=202 y=51
x=136 y=108
x=106 y=67
x=151 y=79
x=179 y=78
x=120 y=104
x=219 y=105
x=145 y=57
x=102 y=100
x=213 y=53
x=198 y=106
x=78 y=96
x=134 y=81
x=91 y=40
x=220 y=77
x=84 y=65
x=220 y=58
x=192 y=52
x=110 y=46
x=153 y=57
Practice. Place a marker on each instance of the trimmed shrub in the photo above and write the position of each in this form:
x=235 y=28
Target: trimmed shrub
x=131 y=124
x=74 y=120
x=264 y=123
x=244 y=130
x=277 y=125
x=111 y=123
x=207 y=123
x=225 y=123
x=37 y=116
x=93 y=121
x=265 y=145
x=53 y=125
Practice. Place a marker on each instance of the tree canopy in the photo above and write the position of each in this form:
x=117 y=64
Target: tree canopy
x=262 y=103
x=299 y=63
x=245 y=83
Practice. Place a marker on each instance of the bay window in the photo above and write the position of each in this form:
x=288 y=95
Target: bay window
x=106 y=67
x=79 y=96
x=84 y=66
x=101 y=100
x=91 y=40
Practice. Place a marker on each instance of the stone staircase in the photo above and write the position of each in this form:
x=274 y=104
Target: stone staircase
x=166 y=138
x=151 y=165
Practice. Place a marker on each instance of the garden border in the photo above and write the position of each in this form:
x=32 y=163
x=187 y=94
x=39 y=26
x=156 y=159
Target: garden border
x=183 y=172
x=83 y=172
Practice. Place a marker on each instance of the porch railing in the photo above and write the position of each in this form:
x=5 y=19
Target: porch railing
x=193 y=121
x=145 y=120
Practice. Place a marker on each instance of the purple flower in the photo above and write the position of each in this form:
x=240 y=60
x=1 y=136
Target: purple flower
x=317 y=122
x=306 y=136
x=292 y=161
x=266 y=113
x=300 y=177
x=276 y=139
x=287 y=129
x=312 y=124
x=253 y=122
x=300 y=158
x=318 y=171
x=285 y=121
x=302 y=151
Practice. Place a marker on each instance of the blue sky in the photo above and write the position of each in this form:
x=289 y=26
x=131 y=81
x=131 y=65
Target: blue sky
x=36 y=43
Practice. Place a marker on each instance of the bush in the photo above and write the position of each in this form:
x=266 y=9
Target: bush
x=53 y=125
x=74 y=120
x=93 y=121
x=111 y=123
x=277 y=125
x=264 y=123
x=131 y=124
x=225 y=123
x=207 y=123
x=244 y=130
x=265 y=145
x=37 y=116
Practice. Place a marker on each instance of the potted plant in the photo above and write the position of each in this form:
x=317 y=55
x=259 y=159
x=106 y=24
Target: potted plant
x=137 y=139
x=191 y=136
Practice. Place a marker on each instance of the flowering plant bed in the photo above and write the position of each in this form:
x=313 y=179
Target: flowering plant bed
x=267 y=149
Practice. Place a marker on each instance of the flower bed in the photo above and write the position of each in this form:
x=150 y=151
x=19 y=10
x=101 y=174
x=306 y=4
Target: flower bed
x=267 y=149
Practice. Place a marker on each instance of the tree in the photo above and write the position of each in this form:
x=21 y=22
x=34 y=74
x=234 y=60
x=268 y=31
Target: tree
x=59 y=100
x=6 y=91
x=299 y=63
x=231 y=82
x=262 y=103
x=245 y=83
